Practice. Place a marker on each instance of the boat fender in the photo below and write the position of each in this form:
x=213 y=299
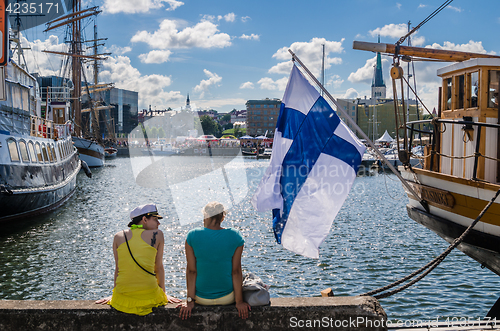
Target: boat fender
x=5 y=190
x=86 y=168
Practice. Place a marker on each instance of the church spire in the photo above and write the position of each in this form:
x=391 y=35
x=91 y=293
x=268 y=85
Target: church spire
x=378 y=86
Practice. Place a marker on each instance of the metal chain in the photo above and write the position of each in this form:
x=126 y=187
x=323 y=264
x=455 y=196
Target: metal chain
x=431 y=265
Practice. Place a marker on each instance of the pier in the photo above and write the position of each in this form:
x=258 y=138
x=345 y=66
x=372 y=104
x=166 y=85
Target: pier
x=316 y=313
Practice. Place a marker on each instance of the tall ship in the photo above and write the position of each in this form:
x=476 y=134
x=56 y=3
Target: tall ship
x=461 y=172
x=84 y=100
x=38 y=163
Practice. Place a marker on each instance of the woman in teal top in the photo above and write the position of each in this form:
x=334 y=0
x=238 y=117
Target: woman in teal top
x=213 y=273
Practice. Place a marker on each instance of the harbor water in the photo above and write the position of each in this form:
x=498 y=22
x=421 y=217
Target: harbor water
x=67 y=255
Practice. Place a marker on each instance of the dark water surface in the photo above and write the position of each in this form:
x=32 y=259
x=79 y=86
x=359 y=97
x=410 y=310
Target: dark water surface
x=67 y=255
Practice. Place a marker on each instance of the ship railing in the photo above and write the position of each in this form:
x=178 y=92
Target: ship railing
x=434 y=130
x=56 y=93
x=44 y=128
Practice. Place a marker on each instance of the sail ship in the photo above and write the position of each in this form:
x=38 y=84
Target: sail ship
x=461 y=172
x=38 y=163
x=86 y=136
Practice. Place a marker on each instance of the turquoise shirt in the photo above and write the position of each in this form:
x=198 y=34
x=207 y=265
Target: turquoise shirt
x=214 y=250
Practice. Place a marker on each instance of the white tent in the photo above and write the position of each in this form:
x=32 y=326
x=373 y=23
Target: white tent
x=386 y=138
x=246 y=137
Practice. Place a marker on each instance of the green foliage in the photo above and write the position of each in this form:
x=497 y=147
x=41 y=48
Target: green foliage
x=161 y=132
x=210 y=126
x=236 y=131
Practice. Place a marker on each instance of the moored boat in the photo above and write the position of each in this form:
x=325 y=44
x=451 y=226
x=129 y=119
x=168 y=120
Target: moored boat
x=38 y=163
x=461 y=171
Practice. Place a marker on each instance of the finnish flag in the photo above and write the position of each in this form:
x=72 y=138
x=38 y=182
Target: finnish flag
x=313 y=165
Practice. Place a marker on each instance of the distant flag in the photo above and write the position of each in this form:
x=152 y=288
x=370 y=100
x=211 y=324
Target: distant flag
x=313 y=166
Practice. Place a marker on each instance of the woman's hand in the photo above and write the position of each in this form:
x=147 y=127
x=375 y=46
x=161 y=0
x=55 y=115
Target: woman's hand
x=103 y=301
x=185 y=309
x=173 y=299
x=243 y=309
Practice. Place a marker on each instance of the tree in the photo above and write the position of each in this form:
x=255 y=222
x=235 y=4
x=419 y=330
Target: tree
x=161 y=132
x=209 y=126
x=237 y=131
x=226 y=118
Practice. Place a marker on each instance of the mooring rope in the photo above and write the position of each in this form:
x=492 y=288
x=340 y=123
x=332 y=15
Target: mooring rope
x=431 y=265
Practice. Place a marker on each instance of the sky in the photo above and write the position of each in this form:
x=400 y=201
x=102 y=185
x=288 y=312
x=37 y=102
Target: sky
x=224 y=53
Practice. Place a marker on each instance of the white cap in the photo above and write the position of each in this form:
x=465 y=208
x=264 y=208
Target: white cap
x=148 y=209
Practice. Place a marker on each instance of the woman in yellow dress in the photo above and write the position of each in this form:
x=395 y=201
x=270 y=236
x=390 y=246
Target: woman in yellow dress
x=139 y=282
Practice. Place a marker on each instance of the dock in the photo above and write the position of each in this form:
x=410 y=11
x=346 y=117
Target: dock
x=310 y=313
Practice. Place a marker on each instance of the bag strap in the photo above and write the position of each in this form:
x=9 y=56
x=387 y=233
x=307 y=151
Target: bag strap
x=133 y=256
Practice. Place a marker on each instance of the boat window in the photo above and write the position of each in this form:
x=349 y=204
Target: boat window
x=52 y=152
x=39 y=153
x=45 y=154
x=31 y=149
x=474 y=88
x=24 y=152
x=461 y=91
x=61 y=154
x=493 y=88
x=14 y=155
x=448 y=94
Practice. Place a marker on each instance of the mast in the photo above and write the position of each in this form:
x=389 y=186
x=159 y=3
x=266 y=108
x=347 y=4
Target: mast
x=76 y=68
x=323 y=68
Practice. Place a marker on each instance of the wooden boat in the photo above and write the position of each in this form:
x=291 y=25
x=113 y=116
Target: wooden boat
x=110 y=153
x=461 y=172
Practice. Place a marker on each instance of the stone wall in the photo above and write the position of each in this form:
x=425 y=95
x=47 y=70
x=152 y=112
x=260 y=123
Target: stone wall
x=339 y=313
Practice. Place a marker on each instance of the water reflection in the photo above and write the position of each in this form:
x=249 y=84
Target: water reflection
x=66 y=255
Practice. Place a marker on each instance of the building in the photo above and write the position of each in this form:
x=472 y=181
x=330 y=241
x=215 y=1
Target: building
x=124 y=112
x=376 y=115
x=262 y=116
x=239 y=116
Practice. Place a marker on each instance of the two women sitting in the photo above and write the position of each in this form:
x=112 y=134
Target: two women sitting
x=213 y=273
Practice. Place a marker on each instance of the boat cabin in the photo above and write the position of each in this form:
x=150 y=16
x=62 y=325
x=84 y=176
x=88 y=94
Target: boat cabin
x=470 y=93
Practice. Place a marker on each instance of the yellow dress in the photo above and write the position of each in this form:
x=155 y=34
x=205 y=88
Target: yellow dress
x=136 y=291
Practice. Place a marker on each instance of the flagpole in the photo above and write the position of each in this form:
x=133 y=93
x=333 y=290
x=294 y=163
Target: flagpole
x=353 y=123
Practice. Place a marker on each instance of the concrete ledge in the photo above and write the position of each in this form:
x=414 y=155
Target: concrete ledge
x=339 y=313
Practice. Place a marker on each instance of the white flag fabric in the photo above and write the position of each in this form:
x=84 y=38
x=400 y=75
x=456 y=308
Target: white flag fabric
x=313 y=165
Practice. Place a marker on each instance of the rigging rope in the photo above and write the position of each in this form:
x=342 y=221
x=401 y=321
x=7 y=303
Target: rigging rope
x=427 y=19
x=432 y=264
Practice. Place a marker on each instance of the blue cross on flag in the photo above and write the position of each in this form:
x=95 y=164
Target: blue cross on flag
x=313 y=165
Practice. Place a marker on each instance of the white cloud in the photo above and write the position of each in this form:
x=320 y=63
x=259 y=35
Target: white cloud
x=398 y=5
x=205 y=34
x=471 y=46
x=205 y=84
x=117 y=50
x=245 y=18
x=457 y=9
x=396 y=31
x=138 y=6
x=390 y=30
x=310 y=54
x=335 y=81
x=364 y=74
x=350 y=94
x=246 y=85
x=151 y=88
x=250 y=37
x=231 y=17
x=267 y=83
x=218 y=103
x=422 y=5
x=155 y=56
x=45 y=64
